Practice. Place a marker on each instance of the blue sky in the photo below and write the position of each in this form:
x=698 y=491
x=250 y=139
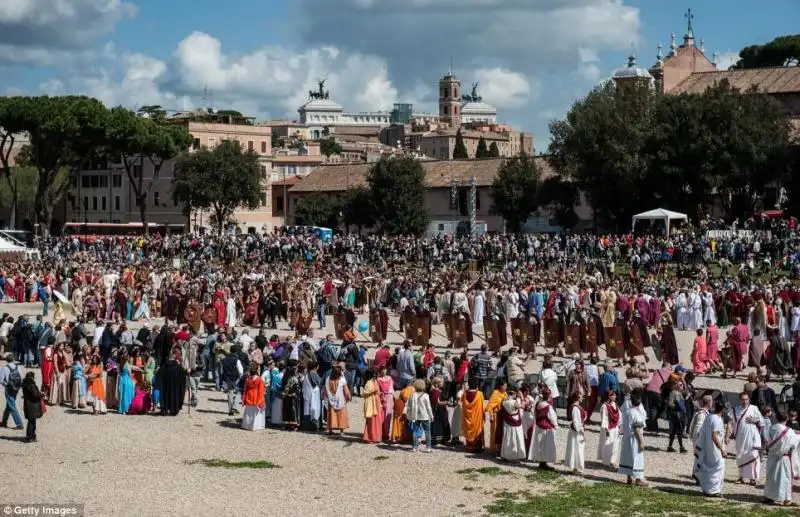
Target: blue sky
x=533 y=58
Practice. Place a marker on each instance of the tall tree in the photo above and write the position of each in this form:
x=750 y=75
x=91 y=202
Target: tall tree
x=494 y=151
x=138 y=140
x=398 y=192
x=328 y=147
x=600 y=146
x=317 y=209
x=514 y=191
x=482 y=151
x=221 y=179
x=782 y=51
x=460 y=151
x=11 y=123
x=64 y=134
x=560 y=196
x=357 y=209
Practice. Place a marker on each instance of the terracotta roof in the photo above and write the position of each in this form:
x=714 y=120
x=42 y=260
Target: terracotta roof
x=768 y=80
x=438 y=174
x=291 y=180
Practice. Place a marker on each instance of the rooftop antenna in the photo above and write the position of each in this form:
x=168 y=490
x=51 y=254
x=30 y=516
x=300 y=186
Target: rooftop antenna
x=208 y=98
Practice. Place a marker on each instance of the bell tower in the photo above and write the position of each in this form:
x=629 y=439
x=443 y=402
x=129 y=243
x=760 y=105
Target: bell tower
x=450 y=100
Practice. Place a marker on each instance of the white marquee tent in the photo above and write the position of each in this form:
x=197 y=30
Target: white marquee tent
x=660 y=214
x=8 y=249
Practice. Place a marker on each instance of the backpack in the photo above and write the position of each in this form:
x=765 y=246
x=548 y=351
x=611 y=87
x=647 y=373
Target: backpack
x=14 y=382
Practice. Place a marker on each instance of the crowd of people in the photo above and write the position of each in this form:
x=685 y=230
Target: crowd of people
x=211 y=292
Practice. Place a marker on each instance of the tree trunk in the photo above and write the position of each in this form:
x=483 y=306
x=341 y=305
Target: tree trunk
x=143 y=213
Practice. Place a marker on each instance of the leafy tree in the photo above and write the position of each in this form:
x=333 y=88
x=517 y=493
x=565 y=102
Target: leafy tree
x=221 y=179
x=329 y=147
x=135 y=140
x=357 y=208
x=153 y=111
x=600 y=145
x=514 y=191
x=9 y=122
x=460 y=151
x=560 y=196
x=782 y=51
x=64 y=134
x=276 y=141
x=482 y=151
x=317 y=209
x=398 y=192
x=494 y=151
x=18 y=205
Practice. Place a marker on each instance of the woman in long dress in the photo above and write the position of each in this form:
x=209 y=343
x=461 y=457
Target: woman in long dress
x=291 y=392
x=275 y=395
x=126 y=387
x=254 y=417
x=373 y=411
x=386 y=387
x=312 y=406
x=480 y=299
x=576 y=440
x=97 y=386
x=144 y=308
x=455 y=420
x=440 y=427
x=608 y=446
x=230 y=313
x=512 y=447
x=337 y=395
x=543 y=445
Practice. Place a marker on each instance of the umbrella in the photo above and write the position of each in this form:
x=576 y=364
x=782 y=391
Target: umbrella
x=60 y=296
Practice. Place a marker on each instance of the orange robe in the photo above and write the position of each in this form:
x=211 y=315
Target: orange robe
x=472 y=420
x=400 y=432
x=492 y=407
x=97 y=386
x=373 y=414
x=254 y=392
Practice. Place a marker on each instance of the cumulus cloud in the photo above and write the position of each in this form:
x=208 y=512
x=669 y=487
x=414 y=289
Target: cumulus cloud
x=503 y=88
x=726 y=60
x=269 y=82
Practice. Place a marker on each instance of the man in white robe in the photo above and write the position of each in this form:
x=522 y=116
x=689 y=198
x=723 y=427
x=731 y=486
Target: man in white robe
x=608 y=445
x=682 y=311
x=631 y=461
x=781 y=444
x=512 y=304
x=696 y=311
x=576 y=439
x=709 y=452
x=513 y=444
x=747 y=424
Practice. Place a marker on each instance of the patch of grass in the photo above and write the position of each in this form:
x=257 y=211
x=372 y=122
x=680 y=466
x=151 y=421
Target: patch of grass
x=486 y=471
x=603 y=499
x=543 y=476
x=225 y=464
x=380 y=458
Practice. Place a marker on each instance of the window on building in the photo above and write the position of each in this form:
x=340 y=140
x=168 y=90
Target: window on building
x=116 y=221
x=263 y=199
x=116 y=202
x=94 y=203
x=250 y=145
x=117 y=181
x=73 y=182
x=196 y=144
x=444 y=92
x=103 y=203
x=279 y=204
x=103 y=181
x=137 y=171
x=446 y=110
x=155 y=198
x=455 y=110
x=85 y=203
x=264 y=146
x=263 y=172
x=85 y=181
x=477 y=200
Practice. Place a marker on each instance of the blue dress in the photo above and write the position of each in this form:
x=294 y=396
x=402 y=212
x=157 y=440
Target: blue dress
x=77 y=375
x=126 y=389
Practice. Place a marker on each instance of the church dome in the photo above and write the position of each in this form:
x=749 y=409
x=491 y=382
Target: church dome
x=632 y=71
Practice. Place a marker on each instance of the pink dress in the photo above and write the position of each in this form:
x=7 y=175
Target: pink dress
x=712 y=336
x=386 y=387
x=699 y=355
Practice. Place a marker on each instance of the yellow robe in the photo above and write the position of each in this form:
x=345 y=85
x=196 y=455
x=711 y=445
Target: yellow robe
x=492 y=407
x=472 y=420
x=400 y=431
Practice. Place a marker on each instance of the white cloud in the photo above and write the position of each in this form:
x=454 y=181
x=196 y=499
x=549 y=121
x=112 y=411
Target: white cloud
x=45 y=32
x=588 y=64
x=503 y=88
x=726 y=60
x=269 y=82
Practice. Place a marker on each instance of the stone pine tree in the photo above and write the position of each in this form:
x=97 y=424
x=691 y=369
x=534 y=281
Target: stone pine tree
x=514 y=191
x=398 y=195
x=494 y=151
x=482 y=151
x=460 y=152
x=317 y=209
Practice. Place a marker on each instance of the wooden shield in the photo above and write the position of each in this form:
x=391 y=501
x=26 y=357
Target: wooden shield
x=459 y=331
x=375 y=327
x=550 y=332
x=192 y=316
x=340 y=324
x=422 y=329
x=447 y=319
x=590 y=345
x=637 y=340
x=572 y=339
x=615 y=343
x=491 y=333
x=517 y=338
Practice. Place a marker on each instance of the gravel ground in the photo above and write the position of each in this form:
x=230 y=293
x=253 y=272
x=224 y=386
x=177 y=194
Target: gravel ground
x=126 y=465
